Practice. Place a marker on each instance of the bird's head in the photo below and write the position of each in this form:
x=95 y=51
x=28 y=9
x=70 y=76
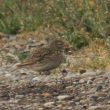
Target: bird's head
x=58 y=43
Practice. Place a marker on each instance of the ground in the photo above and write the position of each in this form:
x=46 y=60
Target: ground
x=27 y=90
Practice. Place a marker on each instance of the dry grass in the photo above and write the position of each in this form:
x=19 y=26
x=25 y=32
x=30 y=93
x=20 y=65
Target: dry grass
x=95 y=56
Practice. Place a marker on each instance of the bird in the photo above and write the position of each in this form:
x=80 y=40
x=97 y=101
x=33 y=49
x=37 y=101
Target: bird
x=46 y=57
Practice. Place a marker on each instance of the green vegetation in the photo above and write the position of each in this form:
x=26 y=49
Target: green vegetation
x=81 y=20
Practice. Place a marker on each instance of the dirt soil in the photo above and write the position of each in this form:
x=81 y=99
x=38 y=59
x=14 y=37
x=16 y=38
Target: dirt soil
x=27 y=90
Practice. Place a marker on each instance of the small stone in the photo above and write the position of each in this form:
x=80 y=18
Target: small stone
x=82 y=71
x=77 y=99
x=89 y=82
x=8 y=75
x=83 y=101
x=59 y=106
x=77 y=103
x=91 y=78
x=99 y=88
x=102 y=94
x=46 y=94
x=23 y=74
x=82 y=81
x=19 y=96
x=49 y=104
x=85 y=106
x=22 y=71
x=63 y=97
x=89 y=72
x=70 y=108
x=69 y=88
x=94 y=98
x=99 y=107
x=40 y=108
x=36 y=79
x=13 y=101
x=100 y=72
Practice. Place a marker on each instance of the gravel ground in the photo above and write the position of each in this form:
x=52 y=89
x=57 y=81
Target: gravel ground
x=27 y=90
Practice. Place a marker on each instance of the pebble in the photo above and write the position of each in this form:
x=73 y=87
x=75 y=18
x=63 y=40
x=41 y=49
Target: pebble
x=89 y=73
x=83 y=101
x=19 y=96
x=40 y=108
x=63 y=97
x=36 y=79
x=82 y=81
x=8 y=75
x=99 y=107
x=22 y=71
x=91 y=78
x=77 y=103
x=59 y=106
x=89 y=82
x=13 y=101
x=101 y=94
x=69 y=87
x=49 y=104
x=94 y=98
x=70 y=108
x=99 y=88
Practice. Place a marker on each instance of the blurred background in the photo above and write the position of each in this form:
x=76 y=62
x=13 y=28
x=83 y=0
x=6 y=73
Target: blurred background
x=84 y=23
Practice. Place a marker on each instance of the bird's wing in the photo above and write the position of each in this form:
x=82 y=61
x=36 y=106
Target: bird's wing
x=40 y=54
x=36 y=56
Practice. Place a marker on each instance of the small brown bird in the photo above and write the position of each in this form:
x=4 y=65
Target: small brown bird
x=46 y=57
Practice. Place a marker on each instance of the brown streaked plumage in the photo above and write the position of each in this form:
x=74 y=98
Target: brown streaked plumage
x=46 y=57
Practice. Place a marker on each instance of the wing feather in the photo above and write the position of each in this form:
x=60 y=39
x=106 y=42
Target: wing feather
x=36 y=56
